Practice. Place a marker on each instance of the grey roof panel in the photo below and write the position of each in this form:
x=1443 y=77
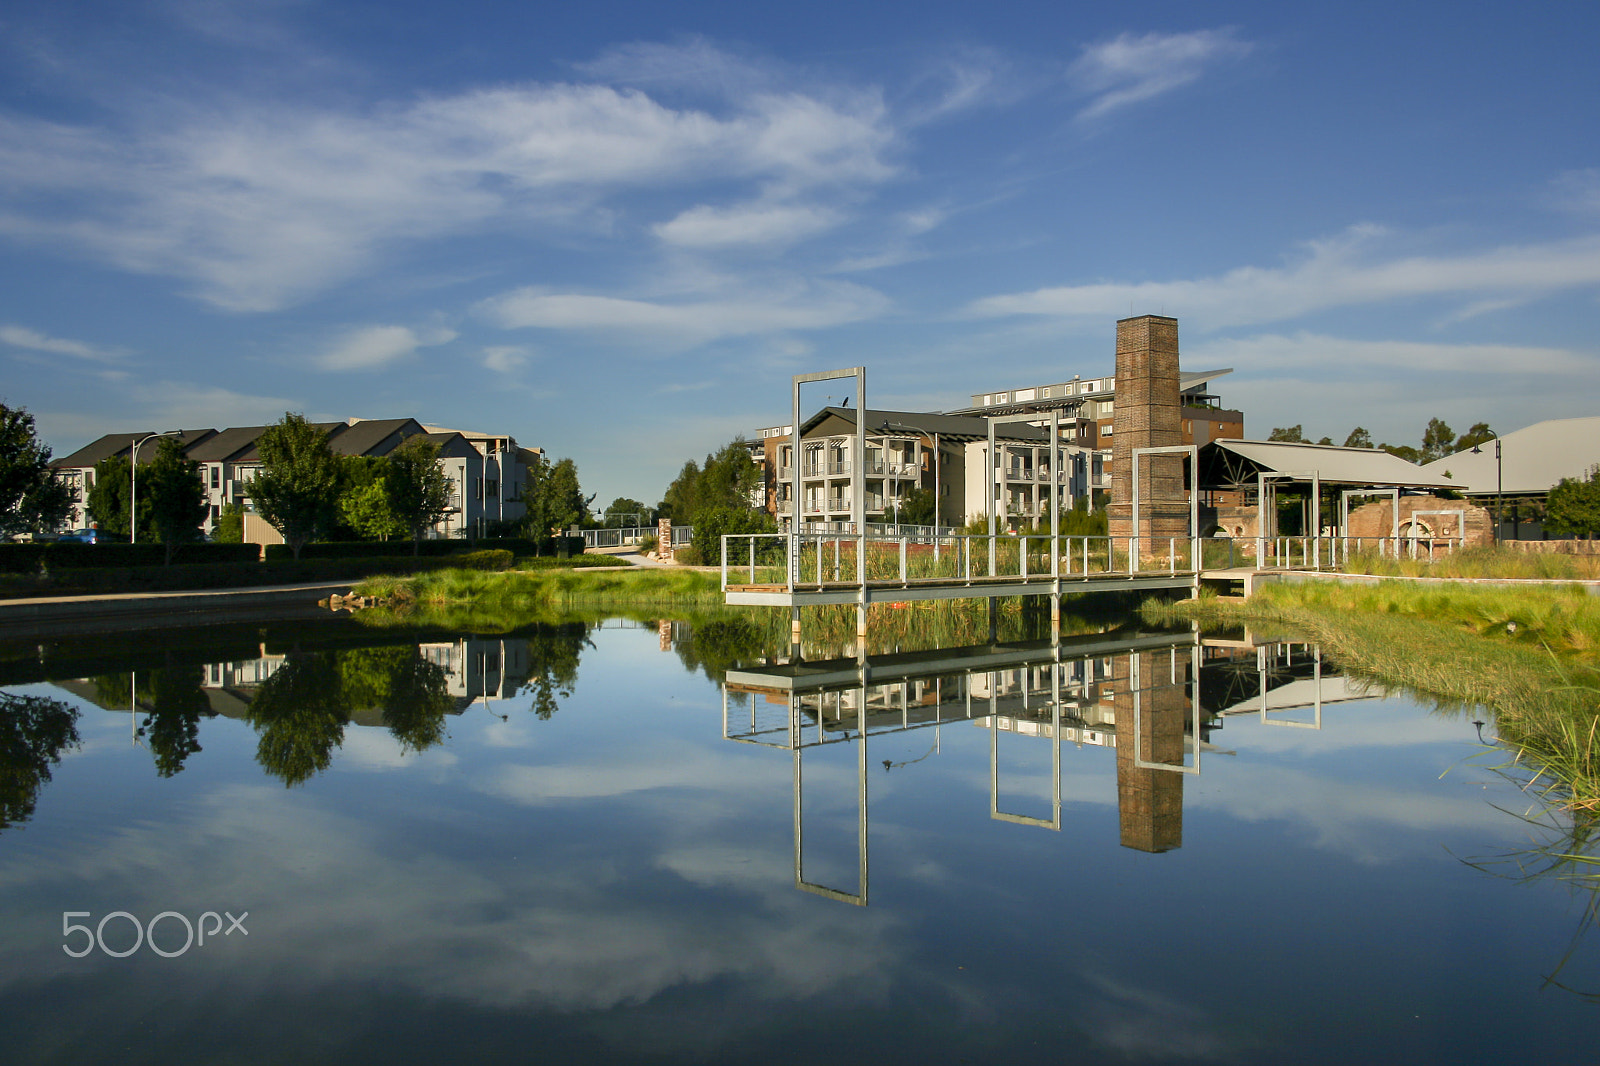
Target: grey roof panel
x=951 y=427
x=1532 y=460
x=1333 y=464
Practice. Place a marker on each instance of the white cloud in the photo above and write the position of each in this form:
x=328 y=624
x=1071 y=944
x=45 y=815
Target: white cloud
x=258 y=205
x=703 y=226
x=1337 y=356
x=505 y=358
x=1335 y=273
x=1130 y=69
x=34 y=341
x=375 y=346
x=814 y=305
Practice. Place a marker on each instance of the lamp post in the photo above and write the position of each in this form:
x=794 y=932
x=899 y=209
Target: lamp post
x=1499 y=485
x=133 y=484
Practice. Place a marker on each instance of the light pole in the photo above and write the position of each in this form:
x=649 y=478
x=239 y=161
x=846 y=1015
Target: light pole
x=133 y=484
x=1499 y=485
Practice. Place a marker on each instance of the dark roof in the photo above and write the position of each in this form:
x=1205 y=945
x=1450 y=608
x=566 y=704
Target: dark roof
x=121 y=444
x=362 y=437
x=949 y=427
x=252 y=455
x=226 y=444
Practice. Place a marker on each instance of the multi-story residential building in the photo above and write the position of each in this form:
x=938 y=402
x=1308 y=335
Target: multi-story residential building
x=911 y=450
x=487 y=472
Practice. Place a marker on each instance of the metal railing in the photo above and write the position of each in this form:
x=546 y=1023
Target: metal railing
x=818 y=558
x=814 y=560
x=623 y=536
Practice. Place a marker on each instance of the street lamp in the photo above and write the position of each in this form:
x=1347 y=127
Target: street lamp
x=133 y=484
x=1499 y=484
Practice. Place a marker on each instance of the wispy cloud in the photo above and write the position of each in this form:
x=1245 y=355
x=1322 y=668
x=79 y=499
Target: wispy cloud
x=34 y=341
x=505 y=358
x=1578 y=191
x=375 y=346
x=1129 y=68
x=1339 y=272
x=742 y=312
x=259 y=205
x=703 y=226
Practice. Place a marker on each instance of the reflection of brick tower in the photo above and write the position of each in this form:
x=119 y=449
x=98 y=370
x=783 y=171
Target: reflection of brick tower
x=1147 y=414
x=1149 y=802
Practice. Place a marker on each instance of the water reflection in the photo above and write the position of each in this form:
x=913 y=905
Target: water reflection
x=34 y=733
x=1156 y=698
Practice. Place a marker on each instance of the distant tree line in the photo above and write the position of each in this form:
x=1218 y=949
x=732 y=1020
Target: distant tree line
x=1438 y=440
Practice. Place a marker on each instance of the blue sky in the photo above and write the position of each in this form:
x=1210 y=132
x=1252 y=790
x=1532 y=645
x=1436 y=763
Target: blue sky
x=615 y=229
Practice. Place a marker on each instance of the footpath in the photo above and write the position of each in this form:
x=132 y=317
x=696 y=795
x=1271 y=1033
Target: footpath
x=123 y=610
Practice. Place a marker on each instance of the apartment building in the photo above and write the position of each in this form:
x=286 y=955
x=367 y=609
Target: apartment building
x=487 y=472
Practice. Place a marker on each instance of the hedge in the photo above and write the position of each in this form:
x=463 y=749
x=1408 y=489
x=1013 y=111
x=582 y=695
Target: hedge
x=366 y=549
x=73 y=555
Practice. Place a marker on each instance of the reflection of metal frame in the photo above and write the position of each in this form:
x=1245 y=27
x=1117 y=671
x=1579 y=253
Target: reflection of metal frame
x=1316 y=677
x=859 y=897
x=1192 y=692
x=1054 y=821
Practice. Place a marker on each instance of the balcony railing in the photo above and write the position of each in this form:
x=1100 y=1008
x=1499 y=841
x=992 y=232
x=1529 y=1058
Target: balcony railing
x=825 y=469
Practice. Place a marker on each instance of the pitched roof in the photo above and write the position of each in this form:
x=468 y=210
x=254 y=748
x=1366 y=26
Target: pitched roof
x=369 y=436
x=226 y=444
x=121 y=444
x=1229 y=463
x=1533 y=459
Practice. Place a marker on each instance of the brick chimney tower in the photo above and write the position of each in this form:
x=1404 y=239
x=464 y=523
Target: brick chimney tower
x=1147 y=415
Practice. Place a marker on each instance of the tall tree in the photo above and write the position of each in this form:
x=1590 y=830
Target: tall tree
x=176 y=494
x=31 y=498
x=554 y=499
x=1358 y=438
x=729 y=478
x=418 y=491
x=1480 y=433
x=297 y=488
x=1288 y=434
x=1438 y=440
x=108 y=497
x=1573 y=506
x=624 y=511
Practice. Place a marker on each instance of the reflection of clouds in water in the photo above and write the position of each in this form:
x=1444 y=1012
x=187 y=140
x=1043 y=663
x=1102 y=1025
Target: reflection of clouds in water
x=336 y=901
x=1145 y=1025
x=371 y=748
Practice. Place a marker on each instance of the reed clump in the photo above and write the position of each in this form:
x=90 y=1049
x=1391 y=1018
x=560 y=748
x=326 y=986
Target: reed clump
x=1530 y=656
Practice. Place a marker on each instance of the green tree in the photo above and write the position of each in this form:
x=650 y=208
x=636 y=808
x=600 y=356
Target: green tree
x=728 y=478
x=627 y=512
x=1404 y=451
x=177 y=496
x=412 y=693
x=419 y=493
x=297 y=488
x=229 y=527
x=1480 y=433
x=553 y=653
x=1358 y=438
x=554 y=499
x=34 y=731
x=366 y=510
x=916 y=507
x=1573 y=506
x=108 y=497
x=712 y=523
x=1288 y=434
x=682 y=498
x=1438 y=440
x=31 y=498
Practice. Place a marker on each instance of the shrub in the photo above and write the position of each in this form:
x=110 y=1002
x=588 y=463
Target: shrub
x=493 y=559
x=688 y=555
x=712 y=523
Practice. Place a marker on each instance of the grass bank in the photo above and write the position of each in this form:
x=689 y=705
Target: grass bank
x=559 y=589
x=1531 y=656
x=1483 y=562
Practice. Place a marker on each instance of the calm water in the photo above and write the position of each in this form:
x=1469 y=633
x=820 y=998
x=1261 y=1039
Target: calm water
x=578 y=843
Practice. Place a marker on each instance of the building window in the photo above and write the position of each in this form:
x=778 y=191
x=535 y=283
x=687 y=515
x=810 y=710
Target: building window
x=216 y=477
x=492 y=489
x=1105 y=430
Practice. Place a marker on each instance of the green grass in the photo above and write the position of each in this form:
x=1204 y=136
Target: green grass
x=1483 y=562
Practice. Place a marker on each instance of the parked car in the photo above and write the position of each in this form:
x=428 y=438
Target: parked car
x=87 y=536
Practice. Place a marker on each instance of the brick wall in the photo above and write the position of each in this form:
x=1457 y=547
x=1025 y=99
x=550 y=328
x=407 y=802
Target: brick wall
x=1148 y=414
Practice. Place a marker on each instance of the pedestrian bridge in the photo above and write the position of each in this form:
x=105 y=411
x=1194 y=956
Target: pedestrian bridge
x=815 y=569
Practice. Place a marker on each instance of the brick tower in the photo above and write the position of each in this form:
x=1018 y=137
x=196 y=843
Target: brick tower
x=1147 y=414
x=1149 y=802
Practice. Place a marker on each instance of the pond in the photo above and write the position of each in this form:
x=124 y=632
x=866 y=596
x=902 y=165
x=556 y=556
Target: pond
x=613 y=841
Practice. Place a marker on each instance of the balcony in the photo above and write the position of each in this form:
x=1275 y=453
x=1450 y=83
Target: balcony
x=825 y=469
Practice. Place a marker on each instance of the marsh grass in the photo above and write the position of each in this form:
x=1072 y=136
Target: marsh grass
x=1482 y=562
x=1530 y=656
